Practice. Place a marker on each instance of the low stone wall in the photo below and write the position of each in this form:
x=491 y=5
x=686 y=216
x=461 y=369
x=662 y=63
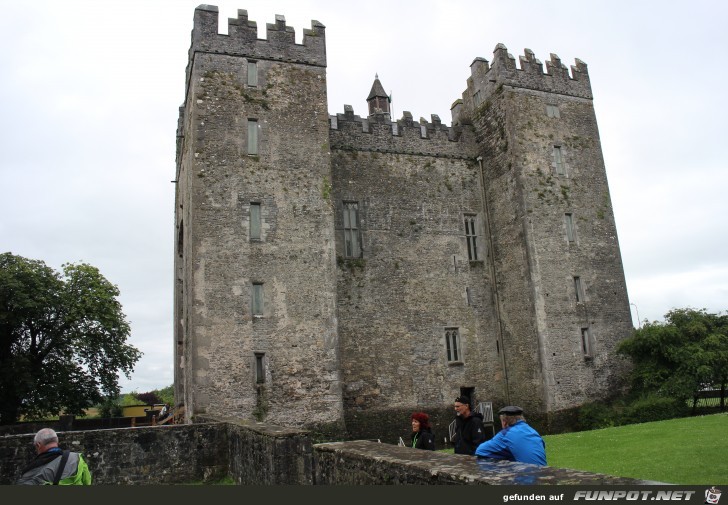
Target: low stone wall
x=148 y=455
x=258 y=454
x=268 y=455
x=370 y=463
x=71 y=423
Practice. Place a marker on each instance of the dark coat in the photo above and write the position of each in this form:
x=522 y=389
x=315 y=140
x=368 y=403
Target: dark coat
x=425 y=440
x=469 y=433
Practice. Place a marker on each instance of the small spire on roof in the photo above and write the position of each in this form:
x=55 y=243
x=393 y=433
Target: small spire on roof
x=378 y=98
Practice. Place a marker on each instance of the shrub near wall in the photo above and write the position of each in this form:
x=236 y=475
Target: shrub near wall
x=654 y=408
x=645 y=409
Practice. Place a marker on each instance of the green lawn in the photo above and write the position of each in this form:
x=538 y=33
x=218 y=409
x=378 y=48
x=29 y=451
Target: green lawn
x=691 y=450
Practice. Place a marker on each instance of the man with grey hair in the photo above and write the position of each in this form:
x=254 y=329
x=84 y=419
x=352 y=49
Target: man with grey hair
x=469 y=431
x=53 y=465
x=516 y=441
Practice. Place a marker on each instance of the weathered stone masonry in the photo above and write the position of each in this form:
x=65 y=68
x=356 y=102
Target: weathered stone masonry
x=326 y=265
x=259 y=454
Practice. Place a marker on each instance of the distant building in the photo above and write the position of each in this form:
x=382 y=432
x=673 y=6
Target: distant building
x=337 y=272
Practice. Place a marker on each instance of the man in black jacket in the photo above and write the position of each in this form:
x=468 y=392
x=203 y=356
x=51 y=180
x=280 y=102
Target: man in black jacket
x=469 y=433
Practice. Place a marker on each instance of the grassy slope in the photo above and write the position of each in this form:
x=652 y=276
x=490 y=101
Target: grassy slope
x=692 y=450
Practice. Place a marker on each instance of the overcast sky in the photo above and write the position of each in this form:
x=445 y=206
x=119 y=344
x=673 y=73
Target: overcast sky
x=91 y=90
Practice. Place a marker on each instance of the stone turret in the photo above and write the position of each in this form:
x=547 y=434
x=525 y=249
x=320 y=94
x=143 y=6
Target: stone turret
x=378 y=99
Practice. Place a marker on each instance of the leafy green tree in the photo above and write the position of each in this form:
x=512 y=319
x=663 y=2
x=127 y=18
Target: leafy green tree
x=677 y=357
x=129 y=399
x=62 y=339
x=166 y=395
x=111 y=407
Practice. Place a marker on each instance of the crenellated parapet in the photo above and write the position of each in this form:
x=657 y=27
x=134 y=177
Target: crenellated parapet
x=242 y=38
x=377 y=133
x=531 y=75
x=485 y=78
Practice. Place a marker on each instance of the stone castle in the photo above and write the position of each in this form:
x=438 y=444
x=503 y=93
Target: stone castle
x=337 y=272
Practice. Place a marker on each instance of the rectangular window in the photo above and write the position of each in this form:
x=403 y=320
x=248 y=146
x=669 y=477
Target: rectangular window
x=254 y=221
x=586 y=342
x=476 y=98
x=553 y=111
x=259 y=368
x=252 y=136
x=452 y=343
x=257 y=299
x=569 y=224
x=579 y=289
x=471 y=237
x=252 y=73
x=558 y=161
x=351 y=230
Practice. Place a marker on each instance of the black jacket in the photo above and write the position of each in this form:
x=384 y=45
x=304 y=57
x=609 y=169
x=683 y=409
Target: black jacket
x=425 y=440
x=469 y=433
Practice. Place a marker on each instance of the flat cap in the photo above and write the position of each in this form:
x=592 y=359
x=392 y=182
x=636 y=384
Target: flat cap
x=511 y=410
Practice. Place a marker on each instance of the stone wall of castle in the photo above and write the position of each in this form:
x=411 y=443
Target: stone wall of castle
x=413 y=280
x=348 y=268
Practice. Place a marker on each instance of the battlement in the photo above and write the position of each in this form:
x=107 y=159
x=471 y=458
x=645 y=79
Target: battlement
x=485 y=79
x=379 y=133
x=530 y=75
x=242 y=38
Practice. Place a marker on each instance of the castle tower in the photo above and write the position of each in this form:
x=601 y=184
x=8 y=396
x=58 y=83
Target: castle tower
x=255 y=309
x=559 y=287
x=378 y=99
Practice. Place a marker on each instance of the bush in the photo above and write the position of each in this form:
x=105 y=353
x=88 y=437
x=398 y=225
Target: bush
x=595 y=416
x=110 y=408
x=130 y=399
x=653 y=408
x=644 y=409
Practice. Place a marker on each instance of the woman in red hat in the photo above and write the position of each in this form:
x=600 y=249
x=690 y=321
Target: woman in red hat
x=422 y=437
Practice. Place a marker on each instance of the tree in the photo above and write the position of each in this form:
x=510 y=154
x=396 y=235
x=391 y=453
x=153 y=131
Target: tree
x=677 y=358
x=62 y=339
x=166 y=395
x=129 y=399
x=149 y=398
x=110 y=407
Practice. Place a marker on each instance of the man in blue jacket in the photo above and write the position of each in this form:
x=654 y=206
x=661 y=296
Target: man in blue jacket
x=516 y=441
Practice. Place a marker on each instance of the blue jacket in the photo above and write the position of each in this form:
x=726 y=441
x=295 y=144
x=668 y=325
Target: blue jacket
x=518 y=442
